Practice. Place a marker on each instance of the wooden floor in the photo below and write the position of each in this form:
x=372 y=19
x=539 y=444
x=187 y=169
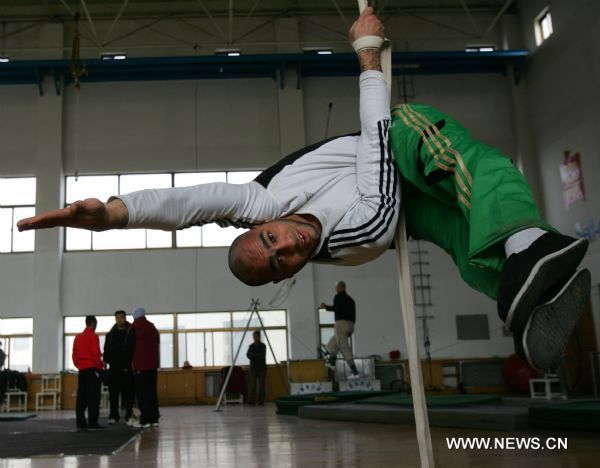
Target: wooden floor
x=196 y=436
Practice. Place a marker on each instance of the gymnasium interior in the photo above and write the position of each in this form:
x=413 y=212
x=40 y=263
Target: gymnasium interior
x=100 y=98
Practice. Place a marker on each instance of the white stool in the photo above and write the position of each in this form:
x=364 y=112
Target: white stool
x=50 y=390
x=21 y=400
x=547 y=387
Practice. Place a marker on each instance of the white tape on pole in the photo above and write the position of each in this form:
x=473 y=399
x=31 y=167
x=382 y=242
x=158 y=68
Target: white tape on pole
x=407 y=303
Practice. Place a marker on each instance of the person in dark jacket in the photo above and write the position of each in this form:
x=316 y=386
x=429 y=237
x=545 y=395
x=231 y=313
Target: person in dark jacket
x=345 y=316
x=120 y=377
x=143 y=345
x=257 y=353
x=88 y=360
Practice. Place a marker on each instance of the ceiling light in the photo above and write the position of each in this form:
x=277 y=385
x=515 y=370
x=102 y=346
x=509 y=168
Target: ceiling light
x=113 y=56
x=228 y=52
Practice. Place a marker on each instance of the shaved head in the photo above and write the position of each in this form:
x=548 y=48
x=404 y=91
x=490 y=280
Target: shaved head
x=275 y=250
x=242 y=266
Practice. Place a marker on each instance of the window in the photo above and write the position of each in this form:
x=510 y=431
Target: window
x=17 y=201
x=103 y=187
x=543 y=26
x=326 y=322
x=16 y=335
x=74 y=326
x=204 y=339
x=213 y=338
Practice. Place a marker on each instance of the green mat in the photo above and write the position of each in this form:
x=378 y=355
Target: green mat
x=577 y=416
x=433 y=401
x=16 y=416
x=290 y=404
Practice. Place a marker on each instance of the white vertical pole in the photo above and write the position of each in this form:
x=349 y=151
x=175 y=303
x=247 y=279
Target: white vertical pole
x=408 y=308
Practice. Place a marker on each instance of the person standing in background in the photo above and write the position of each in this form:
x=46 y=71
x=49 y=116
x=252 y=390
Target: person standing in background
x=2 y=356
x=88 y=360
x=120 y=377
x=345 y=317
x=143 y=344
x=257 y=353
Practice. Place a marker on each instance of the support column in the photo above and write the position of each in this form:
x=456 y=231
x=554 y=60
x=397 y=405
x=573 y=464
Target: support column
x=47 y=313
x=525 y=155
x=302 y=310
x=303 y=316
x=525 y=151
x=292 y=134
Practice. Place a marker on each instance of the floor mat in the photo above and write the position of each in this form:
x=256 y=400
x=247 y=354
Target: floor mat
x=23 y=439
x=16 y=416
x=433 y=401
x=577 y=416
x=290 y=404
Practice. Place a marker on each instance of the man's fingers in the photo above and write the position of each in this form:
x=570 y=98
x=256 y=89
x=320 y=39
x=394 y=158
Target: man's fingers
x=45 y=220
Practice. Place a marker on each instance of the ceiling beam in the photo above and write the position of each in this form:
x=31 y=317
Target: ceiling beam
x=341 y=14
x=507 y=4
x=245 y=20
x=470 y=16
x=212 y=20
x=92 y=27
x=119 y=14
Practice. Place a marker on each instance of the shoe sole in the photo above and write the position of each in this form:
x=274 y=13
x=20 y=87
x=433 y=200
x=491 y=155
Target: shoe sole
x=551 y=324
x=548 y=271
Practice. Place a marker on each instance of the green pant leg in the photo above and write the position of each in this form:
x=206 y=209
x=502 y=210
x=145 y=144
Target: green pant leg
x=438 y=156
x=429 y=219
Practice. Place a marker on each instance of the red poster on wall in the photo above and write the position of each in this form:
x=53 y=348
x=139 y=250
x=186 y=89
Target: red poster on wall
x=571 y=177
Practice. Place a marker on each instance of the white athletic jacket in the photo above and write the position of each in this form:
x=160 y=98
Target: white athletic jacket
x=349 y=183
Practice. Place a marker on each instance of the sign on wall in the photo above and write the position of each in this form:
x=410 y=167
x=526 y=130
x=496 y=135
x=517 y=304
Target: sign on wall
x=571 y=177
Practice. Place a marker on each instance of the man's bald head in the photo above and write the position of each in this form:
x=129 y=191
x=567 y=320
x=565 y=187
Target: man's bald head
x=273 y=251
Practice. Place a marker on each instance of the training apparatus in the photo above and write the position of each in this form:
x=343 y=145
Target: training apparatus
x=253 y=310
x=406 y=299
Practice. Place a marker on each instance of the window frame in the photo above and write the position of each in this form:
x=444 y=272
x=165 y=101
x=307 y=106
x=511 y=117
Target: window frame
x=7 y=338
x=540 y=37
x=175 y=331
x=12 y=207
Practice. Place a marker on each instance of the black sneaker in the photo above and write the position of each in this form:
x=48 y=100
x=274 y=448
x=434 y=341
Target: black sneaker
x=528 y=275
x=95 y=426
x=543 y=340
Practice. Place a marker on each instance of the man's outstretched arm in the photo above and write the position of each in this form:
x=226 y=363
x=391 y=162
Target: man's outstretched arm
x=91 y=214
x=166 y=209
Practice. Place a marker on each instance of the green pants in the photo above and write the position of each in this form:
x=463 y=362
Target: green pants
x=458 y=193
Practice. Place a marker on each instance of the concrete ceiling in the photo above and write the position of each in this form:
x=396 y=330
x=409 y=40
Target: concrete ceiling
x=62 y=10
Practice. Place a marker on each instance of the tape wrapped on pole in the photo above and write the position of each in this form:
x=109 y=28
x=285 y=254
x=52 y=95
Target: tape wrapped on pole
x=407 y=303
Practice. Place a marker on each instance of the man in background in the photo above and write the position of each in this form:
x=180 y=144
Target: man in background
x=143 y=344
x=88 y=360
x=2 y=356
x=120 y=378
x=344 y=309
x=257 y=353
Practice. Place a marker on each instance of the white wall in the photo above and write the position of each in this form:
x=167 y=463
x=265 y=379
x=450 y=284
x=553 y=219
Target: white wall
x=564 y=100
x=149 y=126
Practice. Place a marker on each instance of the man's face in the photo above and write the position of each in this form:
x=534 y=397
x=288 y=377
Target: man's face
x=278 y=249
x=120 y=320
x=256 y=337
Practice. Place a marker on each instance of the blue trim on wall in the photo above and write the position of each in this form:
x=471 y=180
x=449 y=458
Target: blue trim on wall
x=255 y=66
